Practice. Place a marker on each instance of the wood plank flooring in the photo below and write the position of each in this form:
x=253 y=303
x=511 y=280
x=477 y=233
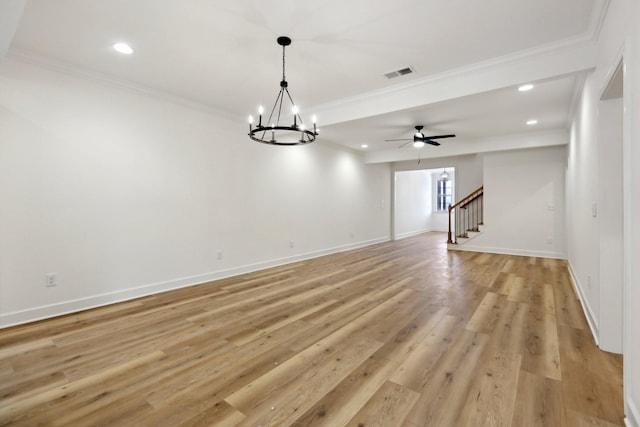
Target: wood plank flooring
x=398 y=334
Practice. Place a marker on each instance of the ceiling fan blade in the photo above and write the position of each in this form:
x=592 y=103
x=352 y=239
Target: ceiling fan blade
x=409 y=142
x=394 y=140
x=440 y=136
x=428 y=141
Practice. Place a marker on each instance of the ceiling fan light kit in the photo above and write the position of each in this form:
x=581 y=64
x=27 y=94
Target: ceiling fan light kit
x=274 y=133
x=420 y=139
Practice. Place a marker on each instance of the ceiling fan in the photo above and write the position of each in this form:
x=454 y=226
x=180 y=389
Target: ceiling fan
x=419 y=138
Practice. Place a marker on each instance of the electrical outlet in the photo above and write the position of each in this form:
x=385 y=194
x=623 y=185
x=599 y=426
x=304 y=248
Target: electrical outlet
x=291 y=244
x=50 y=280
x=219 y=254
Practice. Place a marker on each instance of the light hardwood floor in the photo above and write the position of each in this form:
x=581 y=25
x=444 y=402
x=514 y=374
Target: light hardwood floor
x=398 y=334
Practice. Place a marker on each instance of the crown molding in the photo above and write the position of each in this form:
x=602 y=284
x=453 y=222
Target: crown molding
x=561 y=58
x=559 y=55
x=55 y=65
x=575 y=97
x=596 y=21
x=598 y=13
x=472 y=68
x=10 y=16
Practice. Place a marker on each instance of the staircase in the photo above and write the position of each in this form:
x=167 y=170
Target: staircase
x=465 y=219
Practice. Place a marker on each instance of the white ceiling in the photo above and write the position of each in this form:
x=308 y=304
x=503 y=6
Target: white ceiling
x=494 y=113
x=223 y=55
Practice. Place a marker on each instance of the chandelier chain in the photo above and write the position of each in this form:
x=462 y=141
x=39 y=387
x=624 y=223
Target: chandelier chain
x=283 y=76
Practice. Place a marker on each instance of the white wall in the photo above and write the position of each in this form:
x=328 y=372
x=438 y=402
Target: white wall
x=415 y=203
x=632 y=218
x=582 y=196
x=523 y=203
x=620 y=36
x=412 y=203
x=610 y=230
x=123 y=195
x=468 y=170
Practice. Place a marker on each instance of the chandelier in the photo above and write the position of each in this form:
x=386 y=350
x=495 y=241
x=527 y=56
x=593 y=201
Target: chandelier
x=274 y=133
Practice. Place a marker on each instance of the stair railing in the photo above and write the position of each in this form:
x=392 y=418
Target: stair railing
x=468 y=215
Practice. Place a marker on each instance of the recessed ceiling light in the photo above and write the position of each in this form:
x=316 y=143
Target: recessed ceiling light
x=364 y=146
x=532 y=122
x=526 y=87
x=123 y=48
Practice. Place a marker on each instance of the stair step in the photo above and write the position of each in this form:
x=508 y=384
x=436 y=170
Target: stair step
x=461 y=240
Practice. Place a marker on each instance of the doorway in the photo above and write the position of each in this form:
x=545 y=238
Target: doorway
x=420 y=201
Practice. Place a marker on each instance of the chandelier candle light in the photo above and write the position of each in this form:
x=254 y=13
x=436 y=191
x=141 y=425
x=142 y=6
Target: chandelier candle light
x=274 y=133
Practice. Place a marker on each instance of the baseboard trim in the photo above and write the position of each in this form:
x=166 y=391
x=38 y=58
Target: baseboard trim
x=632 y=417
x=411 y=234
x=586 y=308
x=415 y=233
x=439 y=230
x=509 y=251
x=73 y=306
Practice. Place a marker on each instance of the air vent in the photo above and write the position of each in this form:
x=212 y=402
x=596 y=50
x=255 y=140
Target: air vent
x=401 y=72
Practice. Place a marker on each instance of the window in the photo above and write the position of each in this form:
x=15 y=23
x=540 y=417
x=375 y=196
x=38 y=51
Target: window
x=443 y=194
